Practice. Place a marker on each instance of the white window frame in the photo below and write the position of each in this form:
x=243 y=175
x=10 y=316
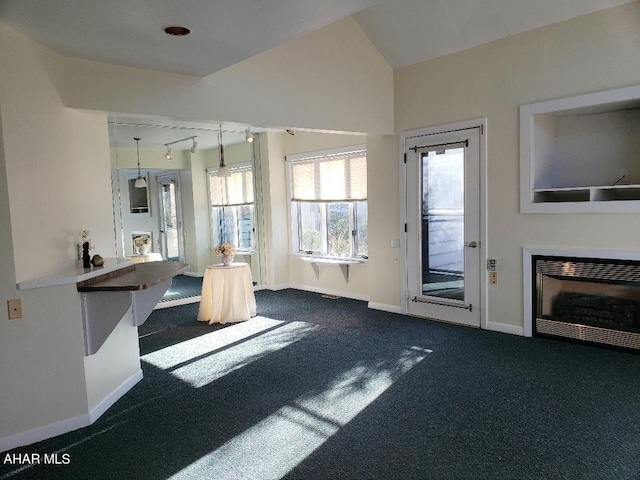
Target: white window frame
x=214 y=231
x=294 y=208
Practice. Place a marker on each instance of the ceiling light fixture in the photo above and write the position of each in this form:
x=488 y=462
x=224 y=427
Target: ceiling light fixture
x=140 y=182
x=249 y=137
x=193 y=149
x=223 y=171
x=291 y=132
x=176 y=31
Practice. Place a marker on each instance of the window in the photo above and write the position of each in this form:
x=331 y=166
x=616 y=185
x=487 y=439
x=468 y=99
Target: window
x=328 y=192
x=232 y=208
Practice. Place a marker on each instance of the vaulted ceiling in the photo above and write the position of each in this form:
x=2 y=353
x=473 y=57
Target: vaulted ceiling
x=225 y=32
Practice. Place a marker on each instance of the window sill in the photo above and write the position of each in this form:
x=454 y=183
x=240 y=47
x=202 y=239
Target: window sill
x=343 y=263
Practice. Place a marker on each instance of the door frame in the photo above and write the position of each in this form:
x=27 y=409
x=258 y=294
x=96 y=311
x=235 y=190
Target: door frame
x=450 y=127
x=161 y=241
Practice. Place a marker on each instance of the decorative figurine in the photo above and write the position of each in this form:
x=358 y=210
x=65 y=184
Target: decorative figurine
x=86 y=259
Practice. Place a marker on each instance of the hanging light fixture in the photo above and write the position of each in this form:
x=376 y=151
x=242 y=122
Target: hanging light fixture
x=167 y=156
x=140 y=181
x=249 y=137
x=223 y=171
x=194 y=145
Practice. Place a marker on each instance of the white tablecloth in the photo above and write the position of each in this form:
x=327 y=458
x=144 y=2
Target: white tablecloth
x=227 y=294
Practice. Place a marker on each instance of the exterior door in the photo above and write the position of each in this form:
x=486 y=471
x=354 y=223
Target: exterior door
x=170 y=217
x=443 y=225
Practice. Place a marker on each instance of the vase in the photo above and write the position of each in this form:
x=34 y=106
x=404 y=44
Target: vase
x=144 y=249
x=227 y=260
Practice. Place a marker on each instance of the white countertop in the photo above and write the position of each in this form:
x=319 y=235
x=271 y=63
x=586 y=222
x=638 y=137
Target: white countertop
x=75 y=274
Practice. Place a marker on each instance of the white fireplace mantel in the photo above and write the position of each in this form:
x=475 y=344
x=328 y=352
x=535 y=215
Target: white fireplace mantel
x=529 y=252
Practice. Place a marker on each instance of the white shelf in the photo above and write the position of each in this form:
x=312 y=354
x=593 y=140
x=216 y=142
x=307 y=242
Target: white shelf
x=343 y=263
x=603 y=193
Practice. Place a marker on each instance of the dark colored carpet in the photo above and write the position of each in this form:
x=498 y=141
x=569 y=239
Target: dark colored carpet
x=328 y=389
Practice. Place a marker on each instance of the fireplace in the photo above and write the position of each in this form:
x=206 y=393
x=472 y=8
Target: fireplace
x=591 y=300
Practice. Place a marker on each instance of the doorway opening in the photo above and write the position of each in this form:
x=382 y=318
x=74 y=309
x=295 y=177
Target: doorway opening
x=443 y=212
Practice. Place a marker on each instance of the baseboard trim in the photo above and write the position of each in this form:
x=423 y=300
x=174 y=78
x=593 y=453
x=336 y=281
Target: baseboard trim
x=504 y=328
x=114 y=396
x=70 y=424
x=324 y=291
x=280 y=286
x=176 y=303
x=193 y=274
x=42 y=433
x=384 y=307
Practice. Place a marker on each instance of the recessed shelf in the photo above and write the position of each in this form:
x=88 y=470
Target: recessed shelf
x=581 y=154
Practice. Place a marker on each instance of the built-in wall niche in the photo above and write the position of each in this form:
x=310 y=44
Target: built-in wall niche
x=138 y=197
x=581 y=154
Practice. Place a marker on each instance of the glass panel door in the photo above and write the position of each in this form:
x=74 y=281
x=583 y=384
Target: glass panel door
x=443 y=225
x=170 y=218
x=443 y=222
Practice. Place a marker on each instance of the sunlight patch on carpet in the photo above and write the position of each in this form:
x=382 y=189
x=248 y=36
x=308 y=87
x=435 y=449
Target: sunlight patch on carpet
x=207 y=358
x=274 y=446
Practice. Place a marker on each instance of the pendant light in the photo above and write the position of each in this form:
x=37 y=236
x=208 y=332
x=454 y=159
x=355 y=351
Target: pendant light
x=223 y=171
x=140 y=181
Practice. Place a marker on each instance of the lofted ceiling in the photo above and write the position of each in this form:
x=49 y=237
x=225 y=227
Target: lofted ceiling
x=130 y=32
x=406 y=32
x=225 y=32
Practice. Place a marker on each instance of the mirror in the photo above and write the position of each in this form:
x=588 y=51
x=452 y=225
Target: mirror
x=178 y=161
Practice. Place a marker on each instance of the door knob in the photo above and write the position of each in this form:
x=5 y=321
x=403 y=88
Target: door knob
x=471 y=244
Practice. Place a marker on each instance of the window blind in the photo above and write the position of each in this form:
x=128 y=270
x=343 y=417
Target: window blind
x=237 y=189
x=336 y=177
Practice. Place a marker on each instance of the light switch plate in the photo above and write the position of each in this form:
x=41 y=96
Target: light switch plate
x=14 y=305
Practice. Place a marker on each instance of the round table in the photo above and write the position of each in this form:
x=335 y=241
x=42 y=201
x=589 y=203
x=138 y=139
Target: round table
x=227 y=294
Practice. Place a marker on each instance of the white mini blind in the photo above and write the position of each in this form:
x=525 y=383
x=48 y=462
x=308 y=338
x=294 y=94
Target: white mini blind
x=237 y=189
x=329 y=177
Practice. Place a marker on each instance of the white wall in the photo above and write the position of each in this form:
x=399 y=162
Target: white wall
x=276 y=234
x=292 y=85
x=385 y=262
x=57 y=184
x=43 y=142
x=587 y=54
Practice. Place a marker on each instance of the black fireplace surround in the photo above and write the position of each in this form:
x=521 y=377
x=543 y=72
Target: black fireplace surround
x=588 y=300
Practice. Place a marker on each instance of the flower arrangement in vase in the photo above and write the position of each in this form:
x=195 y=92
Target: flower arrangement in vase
x=227 y=251
x=142 y=244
